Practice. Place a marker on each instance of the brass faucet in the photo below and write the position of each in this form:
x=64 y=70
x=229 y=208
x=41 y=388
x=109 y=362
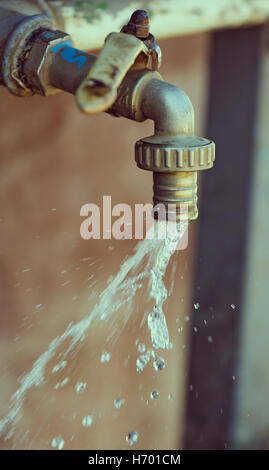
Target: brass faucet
x=122 y=80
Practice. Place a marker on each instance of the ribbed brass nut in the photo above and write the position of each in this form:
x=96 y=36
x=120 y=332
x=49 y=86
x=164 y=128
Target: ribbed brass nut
x=174 y=154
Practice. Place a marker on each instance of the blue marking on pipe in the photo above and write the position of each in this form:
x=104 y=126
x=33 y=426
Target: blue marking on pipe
x=59 y=46
x=68 y=53
x=48 y=35
x=73 y=56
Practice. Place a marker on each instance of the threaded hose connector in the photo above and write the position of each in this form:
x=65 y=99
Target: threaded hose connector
x=175 y=161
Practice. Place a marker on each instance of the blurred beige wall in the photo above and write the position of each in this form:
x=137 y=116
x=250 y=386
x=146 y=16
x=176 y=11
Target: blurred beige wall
x=54 y=160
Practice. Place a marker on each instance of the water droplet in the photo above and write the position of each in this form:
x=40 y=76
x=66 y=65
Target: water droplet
x=233 y=306
x=187 y=318
x=233 y=377
x=210 y=339
x=105 y=357
x=87 y=421
x=170 y=396
x=59 y=366
x=196 y=305
x=180 y=329
x=83 y=260
x=65 y=381
x=80 y=387
x=27 y=270
x=154 y=395
x=195 y=329
x=141 y=347
x=119 y=403
x=142 y=361
x=57 y=443
x=158 y=329
x=158 y=363
x=132 y=438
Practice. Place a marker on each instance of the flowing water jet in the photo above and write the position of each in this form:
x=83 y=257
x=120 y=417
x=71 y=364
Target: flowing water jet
x=155 y=253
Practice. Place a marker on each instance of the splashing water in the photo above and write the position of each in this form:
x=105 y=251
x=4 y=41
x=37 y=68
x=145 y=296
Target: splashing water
x=158 y=363
x=81 y=387
x=87 y=421
x=120 y=291
x=57 y=443
x=156 y=319
x=142 y=348
x=119 y=402
x=154 y=395
x=142 y=361
x=132 y=438
x=105 y=357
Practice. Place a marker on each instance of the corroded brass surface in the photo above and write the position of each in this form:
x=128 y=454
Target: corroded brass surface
x=138 y=25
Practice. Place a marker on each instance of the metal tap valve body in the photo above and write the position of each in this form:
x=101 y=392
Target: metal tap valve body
x=122 y=80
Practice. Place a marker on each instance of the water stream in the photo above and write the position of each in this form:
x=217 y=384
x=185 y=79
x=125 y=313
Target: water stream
x=147 y=264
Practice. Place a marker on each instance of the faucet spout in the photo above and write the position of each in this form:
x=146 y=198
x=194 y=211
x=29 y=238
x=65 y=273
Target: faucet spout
x=174 y=154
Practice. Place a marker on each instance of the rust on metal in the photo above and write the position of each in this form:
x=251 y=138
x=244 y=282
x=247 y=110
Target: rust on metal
x=138 y=25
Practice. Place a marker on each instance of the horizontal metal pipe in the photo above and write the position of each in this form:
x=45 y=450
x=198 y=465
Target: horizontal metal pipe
x=64 y=74
x=8 y=21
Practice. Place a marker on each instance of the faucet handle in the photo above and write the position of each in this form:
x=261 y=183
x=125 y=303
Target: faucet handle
x=131 y=48
x=98 y=91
